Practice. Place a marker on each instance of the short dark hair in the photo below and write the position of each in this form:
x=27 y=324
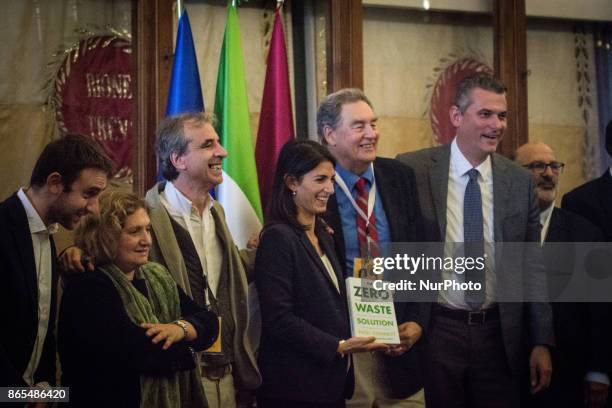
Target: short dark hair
x=171 y=138
x=297 y=157
x=69 y=156
x=481 y=80
x=330 y=109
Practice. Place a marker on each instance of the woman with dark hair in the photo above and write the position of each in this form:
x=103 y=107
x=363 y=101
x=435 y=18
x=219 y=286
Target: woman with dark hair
x=127 y=332
x=303 y=355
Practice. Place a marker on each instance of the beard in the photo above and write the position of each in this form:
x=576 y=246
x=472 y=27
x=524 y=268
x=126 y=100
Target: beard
x=546 y=197
x=65 y=215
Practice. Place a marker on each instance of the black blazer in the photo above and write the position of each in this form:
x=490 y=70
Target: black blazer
x=593 y=200
x=303 y=318
x=99 y=345
x=19 y=299
x=582 y=330
x=396 y=185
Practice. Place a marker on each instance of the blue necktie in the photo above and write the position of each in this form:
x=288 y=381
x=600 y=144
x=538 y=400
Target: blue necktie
x=473 y=237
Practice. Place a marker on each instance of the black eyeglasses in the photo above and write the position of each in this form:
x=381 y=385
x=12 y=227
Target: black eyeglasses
x=540 y=167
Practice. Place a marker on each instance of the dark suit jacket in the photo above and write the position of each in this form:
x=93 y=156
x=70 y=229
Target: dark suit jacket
x=397 y=188
x=582 y=332
x=593 y=200
x=516 y=219
x=100 y=344
x=303 y=318
x=19 y=299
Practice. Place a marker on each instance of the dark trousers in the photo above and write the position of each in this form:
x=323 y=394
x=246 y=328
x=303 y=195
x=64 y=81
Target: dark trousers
x=281 y=403
x=566 y=386
x=466 y=365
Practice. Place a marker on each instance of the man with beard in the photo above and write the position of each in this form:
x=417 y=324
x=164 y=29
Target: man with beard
x=65 y=183
x=581 y=329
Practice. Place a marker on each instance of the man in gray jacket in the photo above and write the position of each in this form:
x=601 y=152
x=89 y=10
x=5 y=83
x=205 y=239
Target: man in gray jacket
x=473 y=346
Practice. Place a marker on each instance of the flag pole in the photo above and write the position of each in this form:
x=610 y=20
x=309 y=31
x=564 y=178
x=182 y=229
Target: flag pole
x=179 y=8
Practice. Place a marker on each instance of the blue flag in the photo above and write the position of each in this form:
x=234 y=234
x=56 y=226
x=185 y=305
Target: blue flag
x=185 y=93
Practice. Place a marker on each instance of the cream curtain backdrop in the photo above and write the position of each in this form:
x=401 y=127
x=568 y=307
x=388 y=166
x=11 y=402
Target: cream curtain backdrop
x=208 y=18
x=32 y=31
x=555 y=116
x=403 y=49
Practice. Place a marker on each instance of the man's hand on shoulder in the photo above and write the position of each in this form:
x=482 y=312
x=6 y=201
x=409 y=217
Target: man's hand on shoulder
x=253 y=241
x=73 y=260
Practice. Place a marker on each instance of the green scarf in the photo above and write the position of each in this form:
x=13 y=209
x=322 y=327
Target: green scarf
x=184 y=388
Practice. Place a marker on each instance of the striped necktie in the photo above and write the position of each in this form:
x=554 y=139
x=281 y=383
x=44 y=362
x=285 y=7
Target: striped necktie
x=368 y=248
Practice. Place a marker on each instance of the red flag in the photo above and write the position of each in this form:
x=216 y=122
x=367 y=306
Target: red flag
x=276 y=118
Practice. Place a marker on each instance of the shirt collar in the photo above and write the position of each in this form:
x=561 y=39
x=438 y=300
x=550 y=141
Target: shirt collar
x=178 y=202
x=460 y=165
x=351 y=178
x=545 y=215
x=35 y=223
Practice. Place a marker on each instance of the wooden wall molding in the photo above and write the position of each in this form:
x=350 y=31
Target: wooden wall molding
x=345 y=45
x=152 y=36
x=510 y=55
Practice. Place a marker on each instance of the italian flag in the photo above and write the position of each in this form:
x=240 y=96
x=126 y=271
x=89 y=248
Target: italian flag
x=239 y=192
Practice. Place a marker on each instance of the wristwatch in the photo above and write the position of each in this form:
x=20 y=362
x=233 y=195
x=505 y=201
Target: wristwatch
x=183 y=325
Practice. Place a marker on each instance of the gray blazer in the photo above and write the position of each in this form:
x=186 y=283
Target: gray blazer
x=516 y=219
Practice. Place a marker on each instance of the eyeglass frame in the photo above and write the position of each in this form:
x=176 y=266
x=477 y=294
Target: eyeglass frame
x=558 y=170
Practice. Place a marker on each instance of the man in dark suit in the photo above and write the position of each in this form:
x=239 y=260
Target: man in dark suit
x=593 y=200
x=473 y=346
x=66 y=181
x=346 y=123
x=582 y=335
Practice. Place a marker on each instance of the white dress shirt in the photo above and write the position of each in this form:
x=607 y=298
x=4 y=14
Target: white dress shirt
x=545 y=221
x=457 y=183
x=201 y=230
x=41 y=246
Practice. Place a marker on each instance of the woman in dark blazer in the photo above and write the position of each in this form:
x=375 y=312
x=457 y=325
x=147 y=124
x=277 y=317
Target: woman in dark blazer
x=127 y=332
x=303 y=356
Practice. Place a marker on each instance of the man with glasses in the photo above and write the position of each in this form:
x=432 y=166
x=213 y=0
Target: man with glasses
x=582 y=339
